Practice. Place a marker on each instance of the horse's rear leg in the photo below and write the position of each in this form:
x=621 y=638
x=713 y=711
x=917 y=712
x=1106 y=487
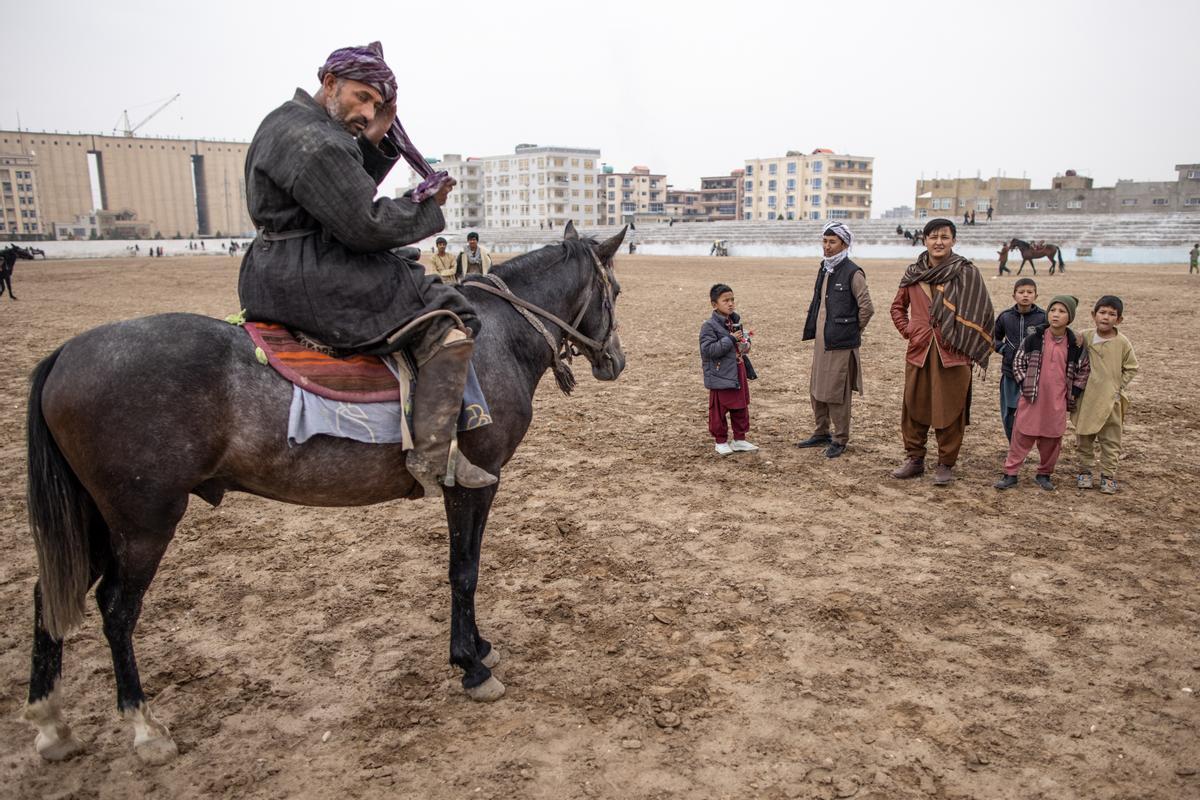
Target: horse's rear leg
x=119 y=596
x=55 y=741
x=467 y=513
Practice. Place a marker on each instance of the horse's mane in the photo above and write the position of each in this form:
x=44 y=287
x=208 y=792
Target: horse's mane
x=1020 y=242
x=550 y=255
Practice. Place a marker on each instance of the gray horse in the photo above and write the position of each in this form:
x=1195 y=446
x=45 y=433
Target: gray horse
x=128 y=419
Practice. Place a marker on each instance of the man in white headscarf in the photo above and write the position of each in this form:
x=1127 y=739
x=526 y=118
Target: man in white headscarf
x=840 y=309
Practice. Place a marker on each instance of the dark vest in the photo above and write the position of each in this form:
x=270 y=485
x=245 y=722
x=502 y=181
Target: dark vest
x=841 y=308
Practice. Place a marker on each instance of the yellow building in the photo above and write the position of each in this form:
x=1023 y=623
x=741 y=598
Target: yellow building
x=188 y=187
x=819 y=185
x=20 y=215
x=627 y=194
x=953 y=197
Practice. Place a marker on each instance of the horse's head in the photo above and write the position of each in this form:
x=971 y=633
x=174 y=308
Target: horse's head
x=597 y=319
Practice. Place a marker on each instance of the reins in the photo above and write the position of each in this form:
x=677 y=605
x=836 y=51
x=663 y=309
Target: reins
x=561 y=353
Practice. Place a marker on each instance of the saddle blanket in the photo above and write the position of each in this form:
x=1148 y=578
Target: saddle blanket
x=359 y=397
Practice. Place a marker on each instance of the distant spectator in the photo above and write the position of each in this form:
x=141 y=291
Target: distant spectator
x=474 y=260
x=989 y=212
x=443 y=262
x=1195 y=254
x=972 y=216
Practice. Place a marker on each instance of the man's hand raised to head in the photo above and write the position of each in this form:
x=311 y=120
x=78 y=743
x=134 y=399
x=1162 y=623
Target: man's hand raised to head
x=377 y=128
x=444 y=191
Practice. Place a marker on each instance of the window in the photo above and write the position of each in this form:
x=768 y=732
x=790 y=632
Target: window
x=1193 y=174
x=791 y=201
x=612 y=182
x=816 y=184
x=770 y=215
x=771 y=201
x=1074 y=204
x=612 y=209
x=981 y=205
x=816 y=167
x=1033 y=205
x=770 y=186
x=749 y=169
x=772 y=168
x=815 y=215
x=1192 y=201
x=1051 y=204
x=749 y=201
x=1159 y=201
x=1129 y=201
x=791 y=168
x=837 y=213
x=746 y=215
x=816 y=201
x=749 y=186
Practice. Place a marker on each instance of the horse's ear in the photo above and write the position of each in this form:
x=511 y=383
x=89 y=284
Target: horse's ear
x=569 y=231
x=608 y=248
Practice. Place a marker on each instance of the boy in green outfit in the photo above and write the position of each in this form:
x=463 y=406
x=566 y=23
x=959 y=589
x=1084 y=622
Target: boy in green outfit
x=1099 y=417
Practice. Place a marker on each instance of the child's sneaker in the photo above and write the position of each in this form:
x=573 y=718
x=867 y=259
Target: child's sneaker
x=1044 y=482
x=1108 y=485
x=1083 y=480
x=723 y=449
x=742 y=446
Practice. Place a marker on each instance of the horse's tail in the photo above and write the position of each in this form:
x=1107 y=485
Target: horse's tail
x=60 y=515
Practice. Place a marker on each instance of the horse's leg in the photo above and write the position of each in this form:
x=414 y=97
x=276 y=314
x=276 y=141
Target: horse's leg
x=55 y=741
x=119 y=596
x=466 y=514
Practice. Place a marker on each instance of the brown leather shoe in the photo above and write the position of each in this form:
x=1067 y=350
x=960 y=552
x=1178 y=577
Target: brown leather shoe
x=911 y=468
x=943 y=475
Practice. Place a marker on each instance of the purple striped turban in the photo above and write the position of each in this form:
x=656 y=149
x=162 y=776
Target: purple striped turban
x=366 y=65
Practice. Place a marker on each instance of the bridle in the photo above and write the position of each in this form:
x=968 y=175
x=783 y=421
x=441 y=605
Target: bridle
x=574 y=340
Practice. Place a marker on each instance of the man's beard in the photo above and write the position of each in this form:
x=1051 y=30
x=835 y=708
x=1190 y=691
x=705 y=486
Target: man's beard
x=334 y=109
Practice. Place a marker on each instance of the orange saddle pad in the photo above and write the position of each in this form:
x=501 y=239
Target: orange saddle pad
x=351 y=379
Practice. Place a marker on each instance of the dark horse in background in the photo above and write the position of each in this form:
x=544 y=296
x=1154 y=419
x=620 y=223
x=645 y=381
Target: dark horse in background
x=8 y=260
x=128 y=419
x=1029 y=252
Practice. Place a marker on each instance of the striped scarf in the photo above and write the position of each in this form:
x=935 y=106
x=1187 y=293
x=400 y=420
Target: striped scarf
x=961 y=308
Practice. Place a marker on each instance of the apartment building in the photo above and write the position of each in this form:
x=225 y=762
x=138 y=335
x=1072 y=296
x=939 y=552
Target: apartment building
x=627 y=194
x=531 y=187
x=685 y=205
x=721 y=195
x=818 y=185
x=953 y=197
x=1071 y=193
x=20 y=211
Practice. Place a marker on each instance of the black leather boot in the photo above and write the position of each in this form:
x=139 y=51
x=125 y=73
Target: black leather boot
x=437 y=400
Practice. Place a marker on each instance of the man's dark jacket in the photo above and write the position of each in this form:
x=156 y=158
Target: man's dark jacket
x=842 y=331
x=340 y=283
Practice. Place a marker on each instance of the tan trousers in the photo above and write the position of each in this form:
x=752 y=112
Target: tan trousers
x=835 y=414
x=1109 y=439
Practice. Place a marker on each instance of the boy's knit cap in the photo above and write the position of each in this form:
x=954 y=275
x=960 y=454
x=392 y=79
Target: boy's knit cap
x=1069 y=302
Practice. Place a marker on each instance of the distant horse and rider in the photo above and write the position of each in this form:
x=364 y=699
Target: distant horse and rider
x=1036 y=250
x=8 y=259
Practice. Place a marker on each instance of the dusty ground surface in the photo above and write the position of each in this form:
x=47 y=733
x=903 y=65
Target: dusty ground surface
x=769 y=625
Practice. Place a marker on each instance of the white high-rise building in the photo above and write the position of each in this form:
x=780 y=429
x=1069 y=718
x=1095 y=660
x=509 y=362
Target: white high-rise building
x=531 y=187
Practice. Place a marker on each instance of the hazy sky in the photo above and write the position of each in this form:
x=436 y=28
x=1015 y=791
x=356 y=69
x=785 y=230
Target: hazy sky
x=687 y=88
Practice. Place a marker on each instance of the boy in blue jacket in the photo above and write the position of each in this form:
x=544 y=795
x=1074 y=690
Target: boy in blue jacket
x=1012 y=326
x=724 y=346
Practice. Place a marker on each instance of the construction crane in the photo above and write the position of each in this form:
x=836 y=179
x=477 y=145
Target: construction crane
x=128 y=129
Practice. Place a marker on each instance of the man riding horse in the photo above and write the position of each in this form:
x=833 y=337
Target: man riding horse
x=323 y=263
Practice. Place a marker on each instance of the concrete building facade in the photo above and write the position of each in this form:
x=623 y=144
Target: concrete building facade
x=685 y=205
x=186 y=187
x=627 y=194
x=814 y=186
x=952 y=197
x=722 y=195
x=20 y=212
x=1070 y=193
x=529 y=188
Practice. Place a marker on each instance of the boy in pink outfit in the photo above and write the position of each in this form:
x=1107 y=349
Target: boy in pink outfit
x=1052 y=369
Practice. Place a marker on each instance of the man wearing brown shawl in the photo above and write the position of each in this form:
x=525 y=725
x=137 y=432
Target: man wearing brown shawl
x=944 y=311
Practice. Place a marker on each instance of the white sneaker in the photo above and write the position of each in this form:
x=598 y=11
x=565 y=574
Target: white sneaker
x=723 y=449
x=742 y=446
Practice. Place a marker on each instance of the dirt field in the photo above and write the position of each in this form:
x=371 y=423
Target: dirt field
x=673 y=625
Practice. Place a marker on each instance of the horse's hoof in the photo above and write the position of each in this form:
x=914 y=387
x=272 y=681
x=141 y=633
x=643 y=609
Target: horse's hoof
x=57 y=748
x=156 y=751
x=492 y=658
x=489 y=691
